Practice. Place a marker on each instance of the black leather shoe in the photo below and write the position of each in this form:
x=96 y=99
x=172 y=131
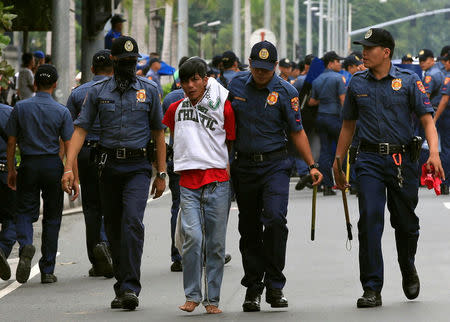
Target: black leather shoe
x=24 y=266
x=103 y=260
x=48 y=278
x=176 y=267
x=252 y=302
x=227 y=258
x=444 y=189
x=116 y=303
x=411 y=283
x=5 y=270
x=370 y=298
x=93 y=272
x=276 y=298
x=354 y=191
x=328 y=191
x=129 y=300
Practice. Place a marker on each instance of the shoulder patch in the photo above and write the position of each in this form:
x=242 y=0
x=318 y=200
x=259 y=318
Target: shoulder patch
x=447 y=80
x=295 y=103
x=420 y=87
x=427 y=79
x=343 y=79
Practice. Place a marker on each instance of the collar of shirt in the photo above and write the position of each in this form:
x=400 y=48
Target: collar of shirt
x=273 y=82
x=43 y=94
x=96 y=78
x=392 y=73
x=114 y=84
x=327 y=70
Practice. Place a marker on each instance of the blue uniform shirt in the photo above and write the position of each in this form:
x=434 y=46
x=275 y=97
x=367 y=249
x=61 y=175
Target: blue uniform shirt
x=5 y=112
x=38 y=123
x=170 y=98
x=264 y=117
x=441 y=67
x=327 y=88
x=110 y=36
x=75 y=102
x=154 y=76
x=433 y=80
x=445 y=90
x=384 y=107
x=228 y=74
x=125 y=119
x=298 y=84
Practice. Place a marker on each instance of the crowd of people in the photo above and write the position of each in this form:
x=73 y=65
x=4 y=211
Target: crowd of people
x=235 y=134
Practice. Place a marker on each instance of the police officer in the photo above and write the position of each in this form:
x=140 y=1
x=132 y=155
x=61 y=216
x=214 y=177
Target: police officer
x=267 y=111
x=96 y=241
x=328 y=91
x=382 y=99
x=407 y=59
x=154 y=65
x=115 y=31
x=285 y=68
x=7 y=200
x=37 y=124
x=433 y=77
x=441 y=61
x=129 y=108
x=230 y=66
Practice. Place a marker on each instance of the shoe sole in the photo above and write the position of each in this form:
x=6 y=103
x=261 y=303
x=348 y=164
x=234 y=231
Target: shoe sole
x=24 y=266
x=277 y=305
x=228 y=259
x=130 y=302
x=49 y=281
x=367 y=305
x=116 y=306
x=412 y=296
x=176 y=269
x=5 y=270
x=250 y=308
x=103 y=262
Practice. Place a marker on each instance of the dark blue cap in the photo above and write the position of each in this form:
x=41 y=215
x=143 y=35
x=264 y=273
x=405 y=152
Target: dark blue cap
x=125 y=46
x=46 y=74
x=39 y=54
x=263 y=55
x=101 y=58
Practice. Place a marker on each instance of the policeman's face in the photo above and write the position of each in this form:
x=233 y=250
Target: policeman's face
x=194 y=87
x=285 y=70
x=375 y=56
x=261 y=76
x=352 y=69
x=427 y=63
x=118 y=27
x=335 y=65
x=446 y=65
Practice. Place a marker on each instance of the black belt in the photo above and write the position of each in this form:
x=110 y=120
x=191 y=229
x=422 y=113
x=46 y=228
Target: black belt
x=264 y=156
x=90 y=144
x=383 y=148
x=124 y=153
x=3 y=167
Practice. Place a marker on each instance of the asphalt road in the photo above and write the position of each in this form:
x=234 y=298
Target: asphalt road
x=323 y=279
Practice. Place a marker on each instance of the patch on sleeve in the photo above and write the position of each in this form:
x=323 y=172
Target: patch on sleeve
x=427 y=79
x=447 y=80
x=420 y=87
x=295 y=103
x=343 y=79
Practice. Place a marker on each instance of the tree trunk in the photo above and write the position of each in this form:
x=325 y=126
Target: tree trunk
x=151 y=29
x=165 y=54
x=247 y=28
x=139 y=23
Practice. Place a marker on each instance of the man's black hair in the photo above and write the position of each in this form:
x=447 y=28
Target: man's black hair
x=48 y=59
x=26 y=59
x=301 y=66
x=308 y=59
x=182 y=60
x=191 y=67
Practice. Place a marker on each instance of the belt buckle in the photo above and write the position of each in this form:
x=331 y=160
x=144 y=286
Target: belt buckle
x=258 y=157
x=121 y=153
x=383 y=148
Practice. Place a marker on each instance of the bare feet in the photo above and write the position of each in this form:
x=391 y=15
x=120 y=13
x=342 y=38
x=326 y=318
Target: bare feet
x=212 y=309
x=189 y=306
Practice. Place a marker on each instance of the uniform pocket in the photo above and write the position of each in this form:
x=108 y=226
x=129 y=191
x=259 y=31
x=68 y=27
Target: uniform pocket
x=107 y=107
x=140 y=106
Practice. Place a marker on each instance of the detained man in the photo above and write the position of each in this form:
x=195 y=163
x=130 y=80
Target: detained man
x=202 y=126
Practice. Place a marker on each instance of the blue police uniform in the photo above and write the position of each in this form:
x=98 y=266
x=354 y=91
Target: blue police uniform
x=7 y=195
x=154 y=76
x=38 y=123
x=88 y=172
x=327 y=88
x=383 y=109
x=443 y=126
x=228 y=75
x=441 y=67
x=174 y=179
x=125 y=121
x=298 y=84
x=260 y=175
x=110 y=36
x=433 y=81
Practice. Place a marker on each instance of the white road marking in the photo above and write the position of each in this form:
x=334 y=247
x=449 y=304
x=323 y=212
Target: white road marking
x=15 y=285
x=447 y=205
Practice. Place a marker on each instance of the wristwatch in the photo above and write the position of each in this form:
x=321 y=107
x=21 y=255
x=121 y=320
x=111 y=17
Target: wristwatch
x=315 y=165
x=161 y=175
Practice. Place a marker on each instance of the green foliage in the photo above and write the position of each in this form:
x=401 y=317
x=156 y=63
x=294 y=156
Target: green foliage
x=6 y=70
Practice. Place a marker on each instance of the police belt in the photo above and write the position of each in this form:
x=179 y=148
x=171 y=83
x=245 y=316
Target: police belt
x=264 y=156
x=3 y=167
x=124 y=153
x=383 y=148
x=90 y=144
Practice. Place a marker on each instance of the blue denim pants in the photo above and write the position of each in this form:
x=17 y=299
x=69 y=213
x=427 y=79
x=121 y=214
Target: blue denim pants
x=204 y=217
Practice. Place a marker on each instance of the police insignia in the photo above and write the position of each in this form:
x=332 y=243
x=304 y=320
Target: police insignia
x=140 y=95
x=272 y=98
x=128 y=45
x=427 y=79
x=447 y=80
x=294 y=104
x=396 y=84
x=368 y=34
x=420 y=87
x=264 y=53
x=421 y=52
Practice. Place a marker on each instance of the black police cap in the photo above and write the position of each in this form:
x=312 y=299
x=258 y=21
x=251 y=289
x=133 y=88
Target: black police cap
x=351 y=60
x=263 y=55
x=446 y=57
x=228 y=57
x=285 y=62
x=424 y=54
x=102 y=58
x=46 y=74
x=377 y=37
x=444 y=51
x=407 y=57
x=331 y=56
x=124 y=46
x=117 y=19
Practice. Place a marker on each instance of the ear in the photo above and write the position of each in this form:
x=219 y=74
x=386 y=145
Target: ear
x=92 y=69
x=387 y=52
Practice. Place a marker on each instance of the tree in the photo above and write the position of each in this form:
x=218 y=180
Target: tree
x=6 y=70
x=165 y=54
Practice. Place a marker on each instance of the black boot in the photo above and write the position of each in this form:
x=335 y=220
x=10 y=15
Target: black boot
x=176 y=266
x=276 y=298
x=370 y=298
x=103 y=260
x=48 y=278
x=24 y=266
x=5 y=270
x=116 y=303
x=252 y=301
x=411 y=283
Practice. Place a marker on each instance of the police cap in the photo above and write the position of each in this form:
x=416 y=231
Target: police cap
x=117 y=19
x=424 y=54
x=351 y=61
x=446 y=57
x=263 y=55
x=39 y=54
x=285 y=62
x=102 y=58
x=46 y=74
x=377 y=37
x=331 y=56
x=407 y=57
x=124 y=46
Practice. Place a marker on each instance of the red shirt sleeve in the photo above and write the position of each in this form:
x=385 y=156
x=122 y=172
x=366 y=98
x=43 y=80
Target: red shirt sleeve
x=229 y=124
x=169 y=117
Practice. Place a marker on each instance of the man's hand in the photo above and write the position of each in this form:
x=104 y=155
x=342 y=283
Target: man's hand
x=158 y=187
x=70 y=184
x=435 y=161
x=339 y=177
x=12 y=179
x=316 y=176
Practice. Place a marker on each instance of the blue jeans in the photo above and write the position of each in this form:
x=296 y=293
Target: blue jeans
x=204 y=217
